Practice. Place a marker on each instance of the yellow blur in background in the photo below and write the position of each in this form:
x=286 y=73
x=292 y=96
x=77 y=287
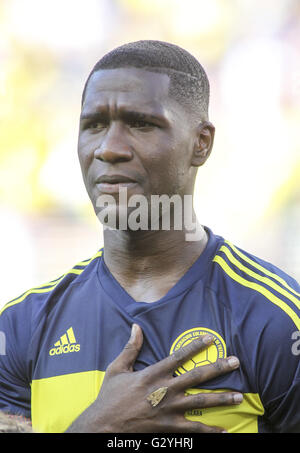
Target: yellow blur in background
x=249 y=190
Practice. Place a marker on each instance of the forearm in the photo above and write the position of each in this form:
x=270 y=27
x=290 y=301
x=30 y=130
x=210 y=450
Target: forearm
x=89 y=422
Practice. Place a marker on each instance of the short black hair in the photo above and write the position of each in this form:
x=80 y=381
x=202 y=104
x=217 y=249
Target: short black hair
x=189 y=84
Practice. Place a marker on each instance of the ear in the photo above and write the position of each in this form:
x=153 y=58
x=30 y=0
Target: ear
x=203 y=143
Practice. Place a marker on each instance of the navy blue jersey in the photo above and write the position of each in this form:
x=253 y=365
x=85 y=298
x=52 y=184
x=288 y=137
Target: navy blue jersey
x=61 y=336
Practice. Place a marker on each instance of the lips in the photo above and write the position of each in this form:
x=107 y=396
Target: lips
x=114 y=179
x=113 y=183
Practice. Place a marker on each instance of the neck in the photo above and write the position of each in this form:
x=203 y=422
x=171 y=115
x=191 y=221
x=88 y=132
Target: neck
x=134 y=255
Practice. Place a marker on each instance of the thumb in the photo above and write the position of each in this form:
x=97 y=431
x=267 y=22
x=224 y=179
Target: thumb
x=128 y=356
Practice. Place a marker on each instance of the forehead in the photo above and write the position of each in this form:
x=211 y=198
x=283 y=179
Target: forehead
x=127 y=85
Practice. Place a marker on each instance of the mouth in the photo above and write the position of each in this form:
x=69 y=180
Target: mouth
x=113 y=183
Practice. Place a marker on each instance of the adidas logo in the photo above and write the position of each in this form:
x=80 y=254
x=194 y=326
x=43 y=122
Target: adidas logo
x=66 y=343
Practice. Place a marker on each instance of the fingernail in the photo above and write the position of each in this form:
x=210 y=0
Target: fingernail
x=133 y=331
x=207 y=339
x=233 y=362
x=238 y=398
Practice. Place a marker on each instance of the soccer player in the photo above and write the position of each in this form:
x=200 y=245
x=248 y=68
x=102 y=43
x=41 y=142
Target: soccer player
x=158 y=331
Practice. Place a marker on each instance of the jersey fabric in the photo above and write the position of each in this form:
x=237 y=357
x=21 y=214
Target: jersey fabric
x=61 y=336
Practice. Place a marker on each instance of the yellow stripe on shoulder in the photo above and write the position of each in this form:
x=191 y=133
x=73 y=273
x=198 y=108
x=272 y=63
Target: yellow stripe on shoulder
x=259 y=277
x=259 y=288
x=262 y=269
x=48 y=287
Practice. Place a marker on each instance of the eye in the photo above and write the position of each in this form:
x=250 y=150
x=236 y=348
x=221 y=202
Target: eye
x=141 y=124
x=95 y=126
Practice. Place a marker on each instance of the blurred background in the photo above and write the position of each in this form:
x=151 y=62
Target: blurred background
x=249 y=190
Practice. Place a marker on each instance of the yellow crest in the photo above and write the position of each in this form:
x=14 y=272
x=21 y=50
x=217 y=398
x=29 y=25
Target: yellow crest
x=209 y=355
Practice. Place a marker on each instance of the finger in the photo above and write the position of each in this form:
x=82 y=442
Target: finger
x=197 y=427
x=128 y=356
x=204 y=400
x=205 y=372
x=173 y=361
x=187 y=426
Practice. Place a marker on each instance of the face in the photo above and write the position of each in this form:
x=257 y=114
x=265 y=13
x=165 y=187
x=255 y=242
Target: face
x=133 y=135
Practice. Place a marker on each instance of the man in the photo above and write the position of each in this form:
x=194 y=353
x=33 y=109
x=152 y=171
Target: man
x=210 y=326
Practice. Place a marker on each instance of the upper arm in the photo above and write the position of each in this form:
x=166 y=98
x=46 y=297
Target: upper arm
x=278 y=375
x=284 y=411
x=14 y=379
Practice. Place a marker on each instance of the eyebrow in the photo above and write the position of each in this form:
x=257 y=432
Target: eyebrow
x=92 y=116
x=129 y=115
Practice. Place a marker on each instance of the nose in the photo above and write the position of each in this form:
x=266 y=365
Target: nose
x=114 y=146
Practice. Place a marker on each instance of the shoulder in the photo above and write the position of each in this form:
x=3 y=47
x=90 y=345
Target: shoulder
x=21 y=323
x=29 y=305
x=253 y=266
x=264 y=302
x=252 y=283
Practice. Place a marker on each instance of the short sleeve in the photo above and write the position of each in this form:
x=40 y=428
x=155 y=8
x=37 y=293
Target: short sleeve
x=15 y=392
x=284 y=411
x=278 y=375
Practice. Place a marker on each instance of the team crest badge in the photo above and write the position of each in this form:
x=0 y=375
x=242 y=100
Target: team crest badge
x=209 y=355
